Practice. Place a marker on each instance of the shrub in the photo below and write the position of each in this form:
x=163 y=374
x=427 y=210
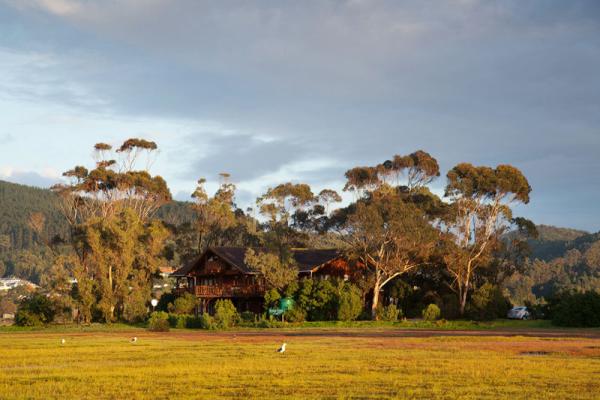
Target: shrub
x=487 y=303
x=248 y=316
x=388 y=313
x=158 y=322
x=226 y=314
x=350 y=303
x=184 y=304
x=207 y=322
x=193 y=322
x=179 y=321
x=577 y=310
x=26 y=318
x=295 y=314
x=431 y=313
x=37 y=310
x=272 y=297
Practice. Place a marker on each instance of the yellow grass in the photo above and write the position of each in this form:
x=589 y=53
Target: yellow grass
x=193 y=365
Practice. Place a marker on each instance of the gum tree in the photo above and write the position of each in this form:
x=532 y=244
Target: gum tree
x=479 y=213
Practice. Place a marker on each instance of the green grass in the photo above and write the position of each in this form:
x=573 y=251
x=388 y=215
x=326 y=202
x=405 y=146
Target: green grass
x=501 y=324
x=202 y=365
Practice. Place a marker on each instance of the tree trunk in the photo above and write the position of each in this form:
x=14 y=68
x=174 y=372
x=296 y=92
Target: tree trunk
x=375 y=303
x=463 y=299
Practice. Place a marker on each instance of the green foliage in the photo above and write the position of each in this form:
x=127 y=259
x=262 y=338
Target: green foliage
x=184 y=304
x=577 y=310
x=350 y=303
x=178 y=321
x=432 y=313
x=27 y=318
x=388 y=313
x=19 y=202
x=36 y=310
x=278 y=272
x=226 y=314
x=487 y=303
x=207 y=322
x=295 y=314
x=318 y=298
x=272 y=298
x=248 y=316
x=158 y=322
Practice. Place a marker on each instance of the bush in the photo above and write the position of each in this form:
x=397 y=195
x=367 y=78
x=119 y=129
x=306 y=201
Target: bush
x=388 y=313
x=248 y=316
x=432 y=313
x=350 y=303
x=295 y=314
x=26 y=318
x=272 y=297
x=488 y=303
x=35 y=311
x=184 y=304
x=577 y=310
x=226 y=314
x=158 y=322
x=193 y=322
x=207 y=322
x=179 y=321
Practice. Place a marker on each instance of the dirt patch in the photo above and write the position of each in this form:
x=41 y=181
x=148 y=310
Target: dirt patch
x=536 y=353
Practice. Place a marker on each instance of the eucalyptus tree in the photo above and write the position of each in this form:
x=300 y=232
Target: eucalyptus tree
x=279 y=205
x=479 y=213
x=386 y=228
x=117 y=244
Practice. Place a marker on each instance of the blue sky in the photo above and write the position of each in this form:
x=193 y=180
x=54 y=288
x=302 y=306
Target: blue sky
x=272 y=91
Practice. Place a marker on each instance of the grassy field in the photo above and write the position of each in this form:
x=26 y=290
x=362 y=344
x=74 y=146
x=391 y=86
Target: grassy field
x=382 y=363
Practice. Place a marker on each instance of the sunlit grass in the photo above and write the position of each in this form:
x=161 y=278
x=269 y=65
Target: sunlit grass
x=198 y=365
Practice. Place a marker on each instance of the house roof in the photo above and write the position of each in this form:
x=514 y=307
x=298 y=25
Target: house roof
x=306 y=259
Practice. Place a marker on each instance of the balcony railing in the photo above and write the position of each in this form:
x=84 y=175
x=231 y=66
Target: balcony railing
x=228 y=291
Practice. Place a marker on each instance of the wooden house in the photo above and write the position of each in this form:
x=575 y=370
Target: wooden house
x=221 y=273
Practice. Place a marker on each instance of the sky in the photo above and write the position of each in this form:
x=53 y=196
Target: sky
x=277 y=91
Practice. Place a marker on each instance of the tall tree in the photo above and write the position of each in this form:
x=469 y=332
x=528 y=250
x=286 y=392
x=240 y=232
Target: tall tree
x=117 y=244
x=386 y=228
x=479 y=213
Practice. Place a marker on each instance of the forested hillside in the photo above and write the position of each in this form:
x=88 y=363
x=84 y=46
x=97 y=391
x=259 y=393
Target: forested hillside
x=17 y=204
x=23 y=251
x=561 y=259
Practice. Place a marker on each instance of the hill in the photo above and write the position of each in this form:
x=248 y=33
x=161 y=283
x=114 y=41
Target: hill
x=19 y=202
x=561 y=259
x=553 y=241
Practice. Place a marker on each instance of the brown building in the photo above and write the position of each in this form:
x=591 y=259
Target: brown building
x=221 y=273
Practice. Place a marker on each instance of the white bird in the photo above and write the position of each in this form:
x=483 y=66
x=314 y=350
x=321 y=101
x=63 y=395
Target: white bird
x=63 y=341
x=282 y=348
x=133 y=339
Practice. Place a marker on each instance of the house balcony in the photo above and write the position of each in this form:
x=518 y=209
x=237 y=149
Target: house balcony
x=225 y=291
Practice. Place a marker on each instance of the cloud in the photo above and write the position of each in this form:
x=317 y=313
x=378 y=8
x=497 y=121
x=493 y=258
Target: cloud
x=327 y=84
x=43 y=179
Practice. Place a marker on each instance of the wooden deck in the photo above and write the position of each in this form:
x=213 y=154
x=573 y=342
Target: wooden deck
x=224 y=291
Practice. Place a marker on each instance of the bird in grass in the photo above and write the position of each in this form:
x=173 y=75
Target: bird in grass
x=282 y=348
x=63 y=341
x=133 y=339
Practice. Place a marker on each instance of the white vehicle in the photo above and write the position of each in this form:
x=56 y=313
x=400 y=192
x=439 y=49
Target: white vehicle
x=519 y=313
